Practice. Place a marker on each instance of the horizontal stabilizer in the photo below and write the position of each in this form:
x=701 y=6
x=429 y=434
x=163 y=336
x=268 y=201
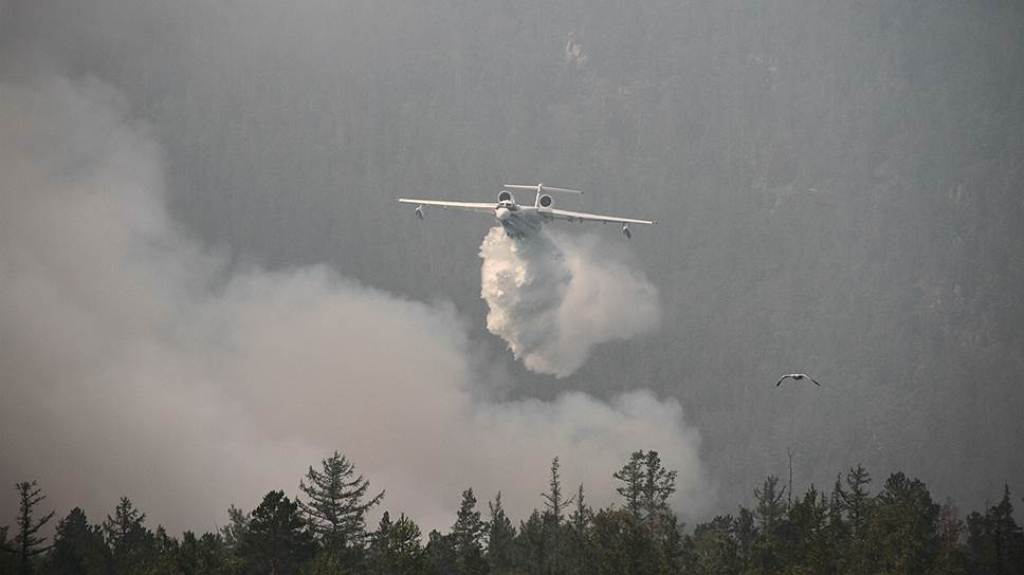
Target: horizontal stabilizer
x=542 y=187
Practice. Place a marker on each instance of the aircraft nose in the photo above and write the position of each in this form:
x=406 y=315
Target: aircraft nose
x=503 y=214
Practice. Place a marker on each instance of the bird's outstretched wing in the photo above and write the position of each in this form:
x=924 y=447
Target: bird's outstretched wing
x=781 y=379
x=814 y=381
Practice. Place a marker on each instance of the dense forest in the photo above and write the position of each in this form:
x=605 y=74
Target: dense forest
x=855 y=527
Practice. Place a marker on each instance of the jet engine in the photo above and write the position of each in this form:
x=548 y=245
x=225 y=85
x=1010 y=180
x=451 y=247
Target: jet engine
x=545 y=201
x=506 y=196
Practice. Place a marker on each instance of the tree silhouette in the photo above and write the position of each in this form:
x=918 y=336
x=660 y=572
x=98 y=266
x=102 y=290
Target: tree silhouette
x=27 y=542
x=278 y=540
x=334 y=507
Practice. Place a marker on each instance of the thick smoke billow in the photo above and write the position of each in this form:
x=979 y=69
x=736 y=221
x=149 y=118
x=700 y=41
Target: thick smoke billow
x=136 y=362
x=553 y=297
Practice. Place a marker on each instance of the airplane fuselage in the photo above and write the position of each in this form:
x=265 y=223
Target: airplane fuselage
x=518 y=221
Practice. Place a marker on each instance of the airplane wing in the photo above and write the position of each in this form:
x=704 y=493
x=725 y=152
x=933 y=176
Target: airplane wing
x=585 y=217
x=469 y=206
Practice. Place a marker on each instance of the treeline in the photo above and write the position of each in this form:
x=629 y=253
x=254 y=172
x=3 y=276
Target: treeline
x=897 y=529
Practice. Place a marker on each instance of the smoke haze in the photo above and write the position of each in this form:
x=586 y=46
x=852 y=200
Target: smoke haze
x=838 y=186
x=552 y=297
x=137 y=363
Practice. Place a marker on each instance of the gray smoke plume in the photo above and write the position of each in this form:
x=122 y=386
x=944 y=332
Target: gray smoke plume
x=553 y=297
x=135 y=362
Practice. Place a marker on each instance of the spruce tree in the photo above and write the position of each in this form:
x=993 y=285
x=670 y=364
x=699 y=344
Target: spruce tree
x=334 y=507
x=236 y=529
x=500 y=537
x=277 y=541
x=631 y=475
x=995 y=543
x=553 y=501
x=770 y=514
x=6 y=552
x=27 y=542
x=395 y=548
x=856 y=499
x=532 y=543
x=467 y=536
x=715 y=547
x=78 y=547
x=439 y=553
x=657 y=488
x=579 y=523
x=130 y=542
x=554 y=505
x=902 y=528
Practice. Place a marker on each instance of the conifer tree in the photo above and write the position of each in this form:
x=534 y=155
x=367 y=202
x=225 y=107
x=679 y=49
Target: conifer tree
x=857 y=555
x=532 y=543
x=746 y=534
x=130 y=542
x=467 y=535
x=554 y=509
x=579 y=523
x=902 y=528
x=78 y=547
x=234 y=535
x=951 y=559
x=500 y=537
x=235 y=531
x=715 y=547
x=770 y=513
x=631 y=476
x=277 y=541
x=440 y=553
x=6 y=552
x=334 y=507
x=395 y=547
x=553 y=501
x=27 y=542
x=857 y=499
x=658 y=486
x=808 y=544
x=995 y=543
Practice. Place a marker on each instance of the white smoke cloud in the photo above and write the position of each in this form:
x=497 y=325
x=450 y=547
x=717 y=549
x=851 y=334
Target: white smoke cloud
x=135 y=362
x=553 y=297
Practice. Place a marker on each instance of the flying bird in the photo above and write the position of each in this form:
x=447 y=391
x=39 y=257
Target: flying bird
x=796 y=377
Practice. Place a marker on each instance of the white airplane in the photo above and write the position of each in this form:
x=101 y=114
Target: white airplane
x=520 y=219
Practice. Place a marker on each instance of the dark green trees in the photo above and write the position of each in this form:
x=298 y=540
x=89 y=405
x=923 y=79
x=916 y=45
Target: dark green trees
x=334 y=503
x=899 y=530
x=715 y=547
x=277 y=541
x=903 y=526
x=27 y=543
x=769 y=513
x=130 y=542
x=500 y=538
x=395 y=548
x=579 y=548
x=467 y=537
x=995 y=543
x=78 y=547
x=643 y=537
